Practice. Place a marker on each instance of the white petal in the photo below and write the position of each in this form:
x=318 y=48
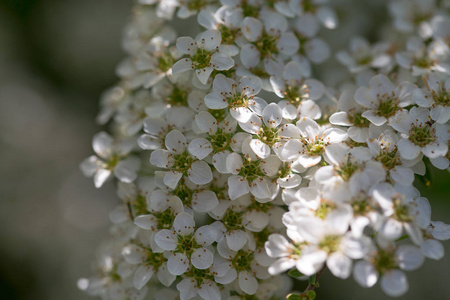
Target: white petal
x=187 y=289
x=236 y=239
x=166 y=239
x=204 y=201
x=175 y=142
x=200 y=148
x=272 y=115
x=186 y=45
x=409 y=257
x=251 y=28
x=221 y=61
x=205 y=235
x=250 y=56
x=340 y=265
x=365 y=274
x=142 y=276
x=407 y=149
x=184 y=64
x=237 y=186
x=177 y=264
x=248 y=282
x=146 y=221
x=394 y=283
x=203 y=74
x=260 y=149
x=432 y=249
x=202 y=258
x=183 y=224
x=209 y=290
x=172 y=178
x=206 y=122
x=260 y=188
x=200 y=172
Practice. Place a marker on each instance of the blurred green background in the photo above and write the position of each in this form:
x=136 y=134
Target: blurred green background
x=56 y=57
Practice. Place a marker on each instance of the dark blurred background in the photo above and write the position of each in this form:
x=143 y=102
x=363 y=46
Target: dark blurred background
x=56 y=57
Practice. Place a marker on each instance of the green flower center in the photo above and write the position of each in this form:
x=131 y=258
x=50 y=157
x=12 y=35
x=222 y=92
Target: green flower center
x=401 y=211
x=221 y=140
x=296 y=94
x=228 y=34
x=182 y=162
x=183 y=192
x=219 y=114
x=140 y=205
x=178 y=97
x=308 y=6
x=389 y=159
x=423 y=62
x=324 y=208
x=441 y=97
x=361 y=207
x=261 y=237
x=421 y=136
x=201 y=59
x=232 y=220
x=315 y=148
x=249 y=10
x=268 y=135
x=267 y=45
x=384 y=260
x=154 y=259
x=197 y=4
x=164 y=219
x=347 y=170
x=186 y=244
x=199 y=275
x=364 y=59
x=242 y=260
x=238 y=100
x=387 y=108
x=330 y=243
x=358 y=120
x=284 y=171
x=165 y=61
x=251 y=170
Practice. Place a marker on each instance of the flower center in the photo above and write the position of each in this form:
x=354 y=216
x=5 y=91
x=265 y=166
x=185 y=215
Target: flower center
x=228 y=34
x=268 y=135
x=232 y=220
x=314 y=148
x=324 y=208
x=358 y=120
x=196 y=4
x=182 y=162
x=261 y=237
x=178 y=97
x=423 y=62
x=346 y=170
x=154 y=259
x=330 y=243
x=442 y=97
x=421 y=136
x=401 y=211
x=165 y=61
x=186 y=244
x=251 y=170
x=267 y=45
x=388 y=107
x=384 y=260
x=389 y=159
x=221 y=140
x=183 y=192
x=140 y=205
x=249 y=10
x=201 y=59
x=295 y=94
x=164 y=219
x=199 y=275
x=242 y=260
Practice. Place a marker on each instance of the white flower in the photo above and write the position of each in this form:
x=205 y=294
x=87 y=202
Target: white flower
x=420 y=134
x=310 y=141
x=383 y=99
x=240 y=98
x=389 y=262
x=203 y=55
x=436 y=96
x=362 y=56
x=187 y=245
x=112 y=158
x=179 y=161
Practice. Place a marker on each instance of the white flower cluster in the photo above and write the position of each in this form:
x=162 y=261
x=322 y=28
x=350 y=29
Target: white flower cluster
x=234 y=165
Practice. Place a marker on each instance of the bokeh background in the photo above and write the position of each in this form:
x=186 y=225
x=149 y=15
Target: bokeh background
x=56 y=57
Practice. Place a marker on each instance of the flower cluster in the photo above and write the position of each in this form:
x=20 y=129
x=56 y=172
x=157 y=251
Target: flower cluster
x=234 y=165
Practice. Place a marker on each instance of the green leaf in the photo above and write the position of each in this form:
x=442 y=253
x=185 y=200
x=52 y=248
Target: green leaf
x=294 y=297
x=312 y=279
x=295 y=273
